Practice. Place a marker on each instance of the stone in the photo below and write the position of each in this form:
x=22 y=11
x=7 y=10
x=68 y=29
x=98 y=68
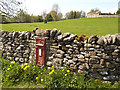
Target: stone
x=42 y=32
x=108 y=38
x=59 y=55
x=60 y=51
x=56 y=47
x=109 y=65
x=80 y=56
x=74 y=59
x=53 y=33
x=70 y=38
x=62 y=36
x=93 y=38
x=100 y=41
x=96 y=66
x=64 y=48
x=113 y=39
x=49 y=63
x=21 y=60
x=68 y=46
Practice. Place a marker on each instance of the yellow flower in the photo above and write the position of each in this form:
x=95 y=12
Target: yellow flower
x=52 y=66
x=41 y=73
x=41 y=80
x=33 y=69
x=63 y=70
x=52 y=71
x=8 y=69
x=36 y=77
x=65 y=74
x=13 y=61
x=28 y=66
x=68 y=71
x=10 y=65
x=34 y=66
x=25 y=68
x=22 y=66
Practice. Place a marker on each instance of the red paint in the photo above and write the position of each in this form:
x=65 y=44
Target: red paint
x=40 y=57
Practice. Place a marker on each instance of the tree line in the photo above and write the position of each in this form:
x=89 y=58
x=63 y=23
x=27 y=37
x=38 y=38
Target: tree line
x=10 y=14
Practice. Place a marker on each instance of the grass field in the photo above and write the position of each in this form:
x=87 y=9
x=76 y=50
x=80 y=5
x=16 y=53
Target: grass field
x=88 y=26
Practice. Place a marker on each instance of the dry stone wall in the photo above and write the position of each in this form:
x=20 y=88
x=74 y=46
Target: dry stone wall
x=97 y=57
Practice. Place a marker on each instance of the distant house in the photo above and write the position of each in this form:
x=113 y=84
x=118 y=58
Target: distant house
x=99 y=14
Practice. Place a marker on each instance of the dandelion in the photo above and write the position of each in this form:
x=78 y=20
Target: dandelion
x=68 y=71
x=28 y=66
x=25 y=68
x=52 y=71
x=13 y=61
x=36 y=78
x=8 y=69
x=41 y=80
x=65 y=74
x=22 y=66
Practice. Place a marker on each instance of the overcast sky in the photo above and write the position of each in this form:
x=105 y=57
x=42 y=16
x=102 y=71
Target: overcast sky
x=36 y=7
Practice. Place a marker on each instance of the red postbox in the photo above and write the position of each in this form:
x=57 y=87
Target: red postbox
x=40 y=52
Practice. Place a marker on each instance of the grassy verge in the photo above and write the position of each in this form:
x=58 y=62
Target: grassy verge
x=31 y=76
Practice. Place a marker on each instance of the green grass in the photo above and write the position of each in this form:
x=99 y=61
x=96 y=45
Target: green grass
x=88 y=26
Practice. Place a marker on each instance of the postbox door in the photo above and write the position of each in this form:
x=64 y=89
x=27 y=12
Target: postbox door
x=40 y=56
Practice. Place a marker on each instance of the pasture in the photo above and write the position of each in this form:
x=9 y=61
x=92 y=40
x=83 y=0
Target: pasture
x=88 y=26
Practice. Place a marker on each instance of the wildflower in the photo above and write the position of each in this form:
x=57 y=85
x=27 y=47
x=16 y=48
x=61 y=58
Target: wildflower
x=68 y=71
x=22 y=66
x=63 y=70
x=65 y=74
x=52 y=71
x=25 y=68
x=13 y=62
x=36 y=78
x=41 y=80
x=52 y=66
x=34 y=66
x=10 y=65
x=41 y=73
x=8 y=69
x=33 y=69
x=28 y=66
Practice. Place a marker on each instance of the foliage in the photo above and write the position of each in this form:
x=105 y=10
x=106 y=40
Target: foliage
x=74 y=14
x=9 y=7
x=29 y=74
x=82 y=38
x=118 y=11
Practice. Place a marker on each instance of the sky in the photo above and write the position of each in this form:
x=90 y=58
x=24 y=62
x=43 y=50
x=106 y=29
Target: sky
x=36 y=7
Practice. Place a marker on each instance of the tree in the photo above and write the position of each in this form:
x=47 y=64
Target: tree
x=74 y=14
x=71 y=15
x=78 y=14
x=44 y=14
x=67 y=15
x=9 y=7
x=49 y=17
x=60 y=16
x=118 y=11
x=55 y=8
x=54 y=15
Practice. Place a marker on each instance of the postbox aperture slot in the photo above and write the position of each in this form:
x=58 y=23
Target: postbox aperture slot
x=40 y=52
